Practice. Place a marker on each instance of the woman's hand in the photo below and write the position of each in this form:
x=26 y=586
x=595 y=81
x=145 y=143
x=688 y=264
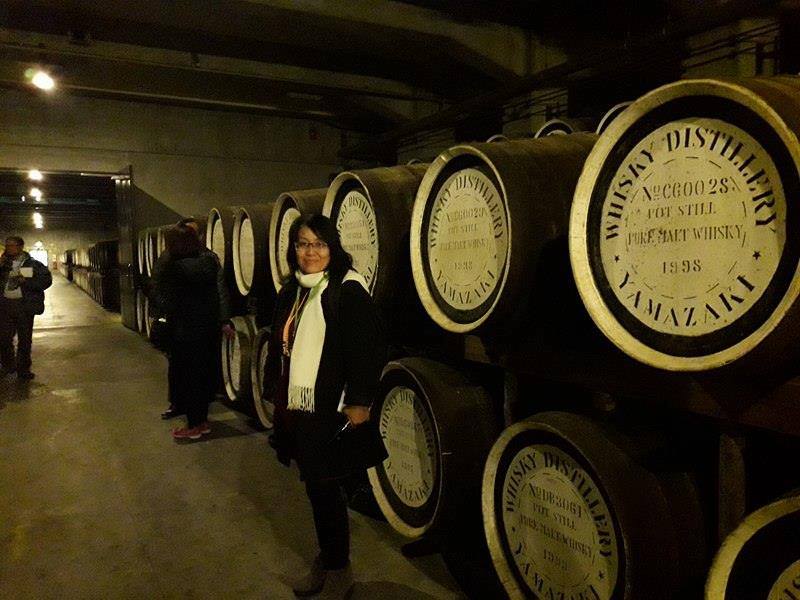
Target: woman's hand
x=356 y=414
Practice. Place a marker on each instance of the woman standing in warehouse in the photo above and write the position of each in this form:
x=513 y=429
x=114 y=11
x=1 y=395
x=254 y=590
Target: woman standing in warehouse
x=187 y=290
x=326 y=355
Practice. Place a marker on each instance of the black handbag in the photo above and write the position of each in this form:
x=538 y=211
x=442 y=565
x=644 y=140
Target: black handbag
x=161 y=335
x=360 y=447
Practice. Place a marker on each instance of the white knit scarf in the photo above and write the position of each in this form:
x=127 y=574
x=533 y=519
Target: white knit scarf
x=309 y=339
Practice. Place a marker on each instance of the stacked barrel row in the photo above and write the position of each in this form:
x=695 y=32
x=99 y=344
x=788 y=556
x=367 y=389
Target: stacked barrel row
x=669 y=234
x=150 y=244
x=146 y=252
x=96 y=271
x=251 y=243
x=66 y=261
x=571 y=506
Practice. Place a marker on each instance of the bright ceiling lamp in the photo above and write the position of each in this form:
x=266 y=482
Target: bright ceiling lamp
x=43 y=81
x=35 y=175
x=38 y=220
x=35 y=193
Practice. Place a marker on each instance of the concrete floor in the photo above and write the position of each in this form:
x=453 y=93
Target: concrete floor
x=97 y=500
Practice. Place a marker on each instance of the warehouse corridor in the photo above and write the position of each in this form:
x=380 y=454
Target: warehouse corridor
x=99 y=502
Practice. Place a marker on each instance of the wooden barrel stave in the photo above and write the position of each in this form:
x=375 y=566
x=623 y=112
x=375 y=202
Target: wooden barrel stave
x=459 y=424
x=625 y=539
x=289 y=206
x=755 y=332
x=264 y=408
x=236 y=354
x=611 y=114
x=219 y=239
x=382 y=200
x=530 y=208
x=250 y=249
x=761 y=557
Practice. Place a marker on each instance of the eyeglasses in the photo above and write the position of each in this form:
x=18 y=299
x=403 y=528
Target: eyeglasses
x=308 y=246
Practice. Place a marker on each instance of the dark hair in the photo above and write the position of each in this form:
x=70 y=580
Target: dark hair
x=17 y=240
x=182 y=241
x=325 y=230
x=186 y=221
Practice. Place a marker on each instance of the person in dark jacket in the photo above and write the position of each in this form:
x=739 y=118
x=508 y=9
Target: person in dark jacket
x=187 y=292
x=325 y=358
x=175 y=409
x=23 y=281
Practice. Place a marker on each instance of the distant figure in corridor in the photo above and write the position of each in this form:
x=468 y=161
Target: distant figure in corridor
x=175 y=408
x=187 y=293
x=325 y=358
x=23 y=281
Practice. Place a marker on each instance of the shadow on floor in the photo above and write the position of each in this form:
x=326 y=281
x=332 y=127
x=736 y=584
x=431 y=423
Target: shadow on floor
x=13 y=389
x=369 y=590
x=386 y=590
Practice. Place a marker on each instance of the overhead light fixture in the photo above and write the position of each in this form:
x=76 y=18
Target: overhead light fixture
x=35 y=175
x=43 y=81
x=38 y=220
x=35 y=193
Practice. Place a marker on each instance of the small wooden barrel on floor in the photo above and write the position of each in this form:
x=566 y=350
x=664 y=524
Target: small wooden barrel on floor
x=569 y=512
x=372 y=211
x=288 y=207
x=236 y=359
x=438 y=428
x=251 y=249
x=258 y=360
x=761 y=557
x=683 y=236
x=484 y=216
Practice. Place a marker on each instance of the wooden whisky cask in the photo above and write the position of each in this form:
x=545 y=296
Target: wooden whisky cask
x=372 y=212
x=682 y=240
x=761 y=557
x=288 y=207
x=483 y=216
x=569 y=512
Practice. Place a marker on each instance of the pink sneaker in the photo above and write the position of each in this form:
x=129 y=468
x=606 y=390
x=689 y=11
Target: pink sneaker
x=186 y=433
x=204 y=428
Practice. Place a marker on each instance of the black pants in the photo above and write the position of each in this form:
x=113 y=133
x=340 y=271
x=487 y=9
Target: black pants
x=329 y=505
x=14 y=321
x=192 y=377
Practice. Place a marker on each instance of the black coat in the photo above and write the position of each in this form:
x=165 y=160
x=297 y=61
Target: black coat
x=353 y=355
x=157 y=308
x=187 y=294
x=32 y=287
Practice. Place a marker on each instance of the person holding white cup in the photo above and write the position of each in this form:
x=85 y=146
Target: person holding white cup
x=23 y=281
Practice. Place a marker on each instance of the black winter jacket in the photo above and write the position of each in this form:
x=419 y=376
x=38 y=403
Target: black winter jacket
x=353 y=354
x=32 y=287
x=157 y=308
x=187 y=293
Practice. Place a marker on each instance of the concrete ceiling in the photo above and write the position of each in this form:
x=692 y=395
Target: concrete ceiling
x=385 y=68
x=365 y=66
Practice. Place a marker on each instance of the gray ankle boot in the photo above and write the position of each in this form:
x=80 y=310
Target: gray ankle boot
x=337 y=584
x=312 y=582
